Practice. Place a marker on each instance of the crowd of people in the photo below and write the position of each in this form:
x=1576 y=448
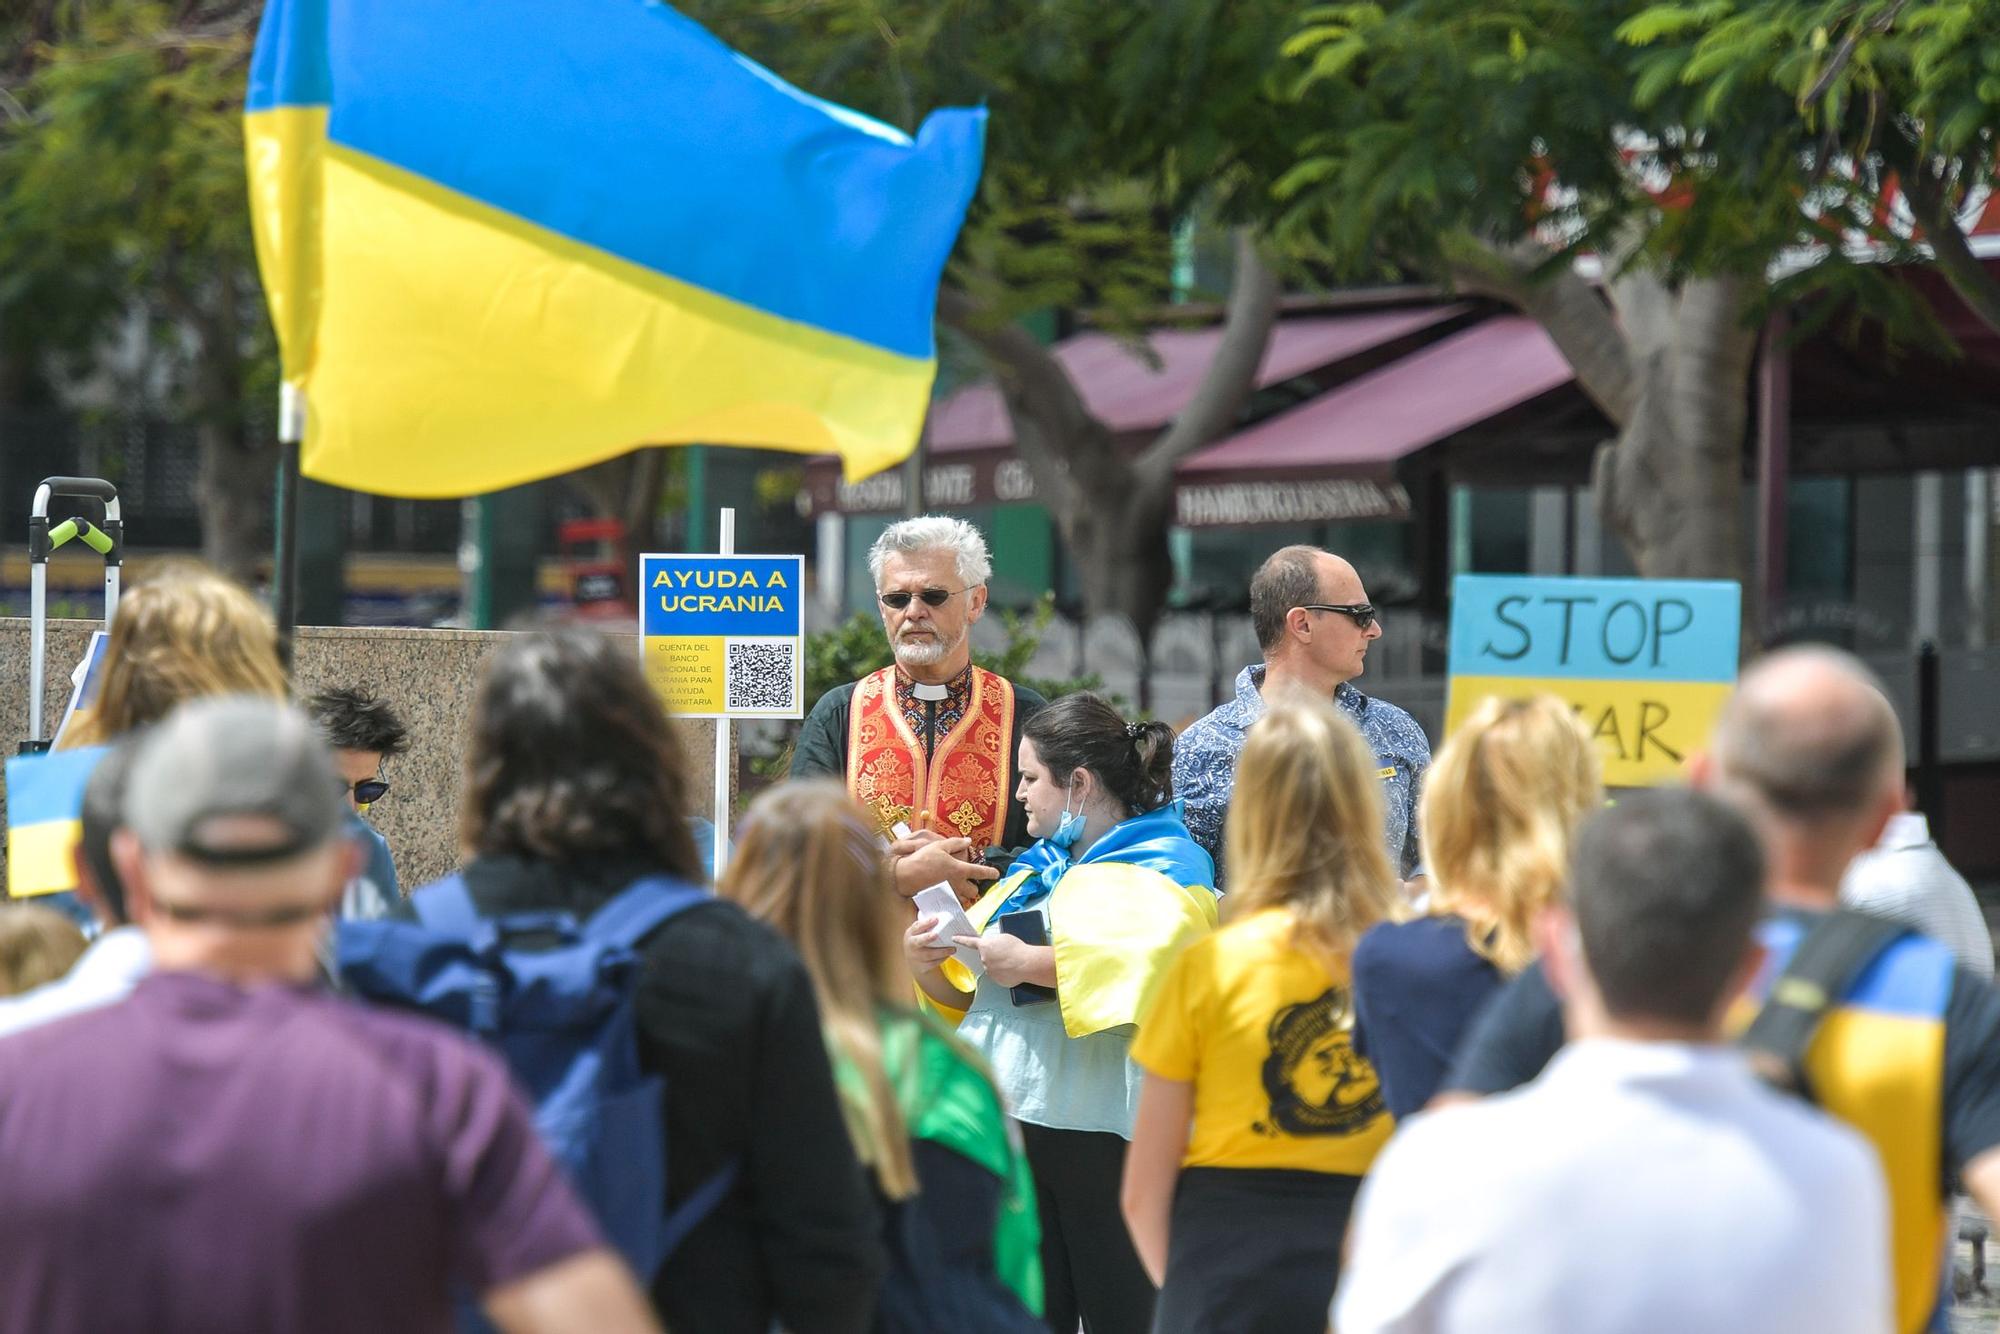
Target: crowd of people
x=972 y=1033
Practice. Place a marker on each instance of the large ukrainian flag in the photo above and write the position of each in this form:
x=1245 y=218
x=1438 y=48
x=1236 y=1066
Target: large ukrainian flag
x=507 y=238
x=45 y=818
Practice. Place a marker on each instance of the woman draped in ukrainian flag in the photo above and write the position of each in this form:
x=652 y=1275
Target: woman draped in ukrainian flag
x=1071 y=944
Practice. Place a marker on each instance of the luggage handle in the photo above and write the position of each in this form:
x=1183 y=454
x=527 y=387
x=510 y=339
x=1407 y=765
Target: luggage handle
x=92 y=488
x=107 y=541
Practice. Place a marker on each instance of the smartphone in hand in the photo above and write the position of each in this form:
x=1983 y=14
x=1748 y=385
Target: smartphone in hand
x=1029 y=928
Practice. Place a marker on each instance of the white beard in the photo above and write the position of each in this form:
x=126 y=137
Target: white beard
x=926 y=653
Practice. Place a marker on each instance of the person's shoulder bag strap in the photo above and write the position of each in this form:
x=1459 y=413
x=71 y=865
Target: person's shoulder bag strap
x=1826 y=963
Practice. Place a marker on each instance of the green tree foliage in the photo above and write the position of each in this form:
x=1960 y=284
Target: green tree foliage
x=122 y=202
x=1697 y=150
x=857 y=647
x=1892 y=96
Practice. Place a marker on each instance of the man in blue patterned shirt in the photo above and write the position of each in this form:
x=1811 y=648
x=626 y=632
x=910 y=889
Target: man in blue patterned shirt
x=1314 y=624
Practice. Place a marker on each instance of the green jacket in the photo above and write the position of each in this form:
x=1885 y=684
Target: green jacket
x=947 y=1097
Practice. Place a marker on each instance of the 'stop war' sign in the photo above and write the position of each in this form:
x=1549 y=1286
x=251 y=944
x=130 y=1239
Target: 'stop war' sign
x=1647 y=663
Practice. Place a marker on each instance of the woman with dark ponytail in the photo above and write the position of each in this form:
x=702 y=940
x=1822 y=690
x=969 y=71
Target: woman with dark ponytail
x=1070 y=947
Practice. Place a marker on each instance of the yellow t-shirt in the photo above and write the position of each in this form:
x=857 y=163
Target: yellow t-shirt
x=1265 y=1035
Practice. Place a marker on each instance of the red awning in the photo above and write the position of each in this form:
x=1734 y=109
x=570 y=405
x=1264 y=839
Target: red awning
x=1125 y=393
x=1365 y=426
x=1331 y=458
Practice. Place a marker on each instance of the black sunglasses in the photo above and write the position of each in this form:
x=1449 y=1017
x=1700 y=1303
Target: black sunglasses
x=368 y=791
x=933 y=597
x=253 y=919
x=1361 y=613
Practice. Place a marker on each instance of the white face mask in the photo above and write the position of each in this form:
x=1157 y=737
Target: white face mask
x=1070 y=828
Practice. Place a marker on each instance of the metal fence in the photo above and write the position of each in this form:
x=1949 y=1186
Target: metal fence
x=156 y=465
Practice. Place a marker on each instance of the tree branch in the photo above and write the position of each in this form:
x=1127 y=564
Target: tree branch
x=1575 y=317
x=1931 y=206
x=1845 y=51
x=1232 y=373
x=1042 y=402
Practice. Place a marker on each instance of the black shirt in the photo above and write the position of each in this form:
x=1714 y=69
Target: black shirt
x=726 y=1013
x=1522 y=1029
x=822 y=749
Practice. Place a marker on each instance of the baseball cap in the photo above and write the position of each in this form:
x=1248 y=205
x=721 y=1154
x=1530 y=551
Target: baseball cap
x=234 y=755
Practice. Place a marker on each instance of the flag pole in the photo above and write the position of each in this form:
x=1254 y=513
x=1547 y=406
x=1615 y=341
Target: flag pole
x=285 y=578
x=727 y=532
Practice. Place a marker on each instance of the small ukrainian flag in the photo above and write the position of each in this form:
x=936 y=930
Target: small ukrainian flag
x=45 y=818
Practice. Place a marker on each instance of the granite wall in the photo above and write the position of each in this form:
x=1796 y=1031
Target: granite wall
x=429 y=675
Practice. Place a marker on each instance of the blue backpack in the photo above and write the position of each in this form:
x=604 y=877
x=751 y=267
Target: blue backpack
x=563 y=1015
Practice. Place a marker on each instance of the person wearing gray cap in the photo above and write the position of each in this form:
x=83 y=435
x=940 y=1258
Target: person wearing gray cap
x=231 y=1147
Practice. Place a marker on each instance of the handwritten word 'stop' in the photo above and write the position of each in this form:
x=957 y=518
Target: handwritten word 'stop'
x=1604 y=629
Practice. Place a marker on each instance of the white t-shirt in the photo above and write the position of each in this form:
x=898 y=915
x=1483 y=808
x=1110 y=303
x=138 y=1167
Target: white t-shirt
x=1635 y=1188
x=1906 y=879
x=104 y=975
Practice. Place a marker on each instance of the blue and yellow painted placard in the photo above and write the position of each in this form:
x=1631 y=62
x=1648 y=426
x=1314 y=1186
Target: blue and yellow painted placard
x=721 y=636
x=45 y=818
x=1647 y=663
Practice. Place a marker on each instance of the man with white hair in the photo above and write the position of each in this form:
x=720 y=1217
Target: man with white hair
x=930 y=740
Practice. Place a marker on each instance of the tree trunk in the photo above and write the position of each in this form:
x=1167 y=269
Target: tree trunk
x=1113 y=510
x=1115 y=530
x=238 y=485
x=1671 y=485
x=238 y=467
x=627 y=489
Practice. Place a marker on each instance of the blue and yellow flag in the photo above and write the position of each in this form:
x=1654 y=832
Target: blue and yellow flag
x=503 y=239
x=45 y=818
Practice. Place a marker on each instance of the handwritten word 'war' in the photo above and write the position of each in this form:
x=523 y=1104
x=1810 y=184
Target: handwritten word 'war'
x=1624 y=632
x=746 y=600
x=1610 y=725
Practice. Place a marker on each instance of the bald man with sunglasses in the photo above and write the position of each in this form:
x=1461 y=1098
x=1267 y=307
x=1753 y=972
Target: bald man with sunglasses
x=1315 y=625
x=928 y=741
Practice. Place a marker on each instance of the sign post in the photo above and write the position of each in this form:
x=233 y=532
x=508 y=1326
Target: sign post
x=722 y=636
x=1646 y=663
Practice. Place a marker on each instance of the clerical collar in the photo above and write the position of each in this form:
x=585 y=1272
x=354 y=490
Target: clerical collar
x=959 y=686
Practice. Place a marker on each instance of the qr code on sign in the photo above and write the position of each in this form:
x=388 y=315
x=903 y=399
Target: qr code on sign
x=762 y=677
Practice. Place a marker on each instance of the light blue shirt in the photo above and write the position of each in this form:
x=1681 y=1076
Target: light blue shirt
x=1205 y=766
x=1048 y=1077
x=373 y=893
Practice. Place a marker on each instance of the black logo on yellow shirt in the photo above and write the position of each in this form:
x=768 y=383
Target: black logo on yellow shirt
x=1316 y=1083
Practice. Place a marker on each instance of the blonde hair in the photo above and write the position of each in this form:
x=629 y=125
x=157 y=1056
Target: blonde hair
x=1500 y=807
x=185 y=633
x=808 y=863
x=37 y=945
x=1305 y=829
